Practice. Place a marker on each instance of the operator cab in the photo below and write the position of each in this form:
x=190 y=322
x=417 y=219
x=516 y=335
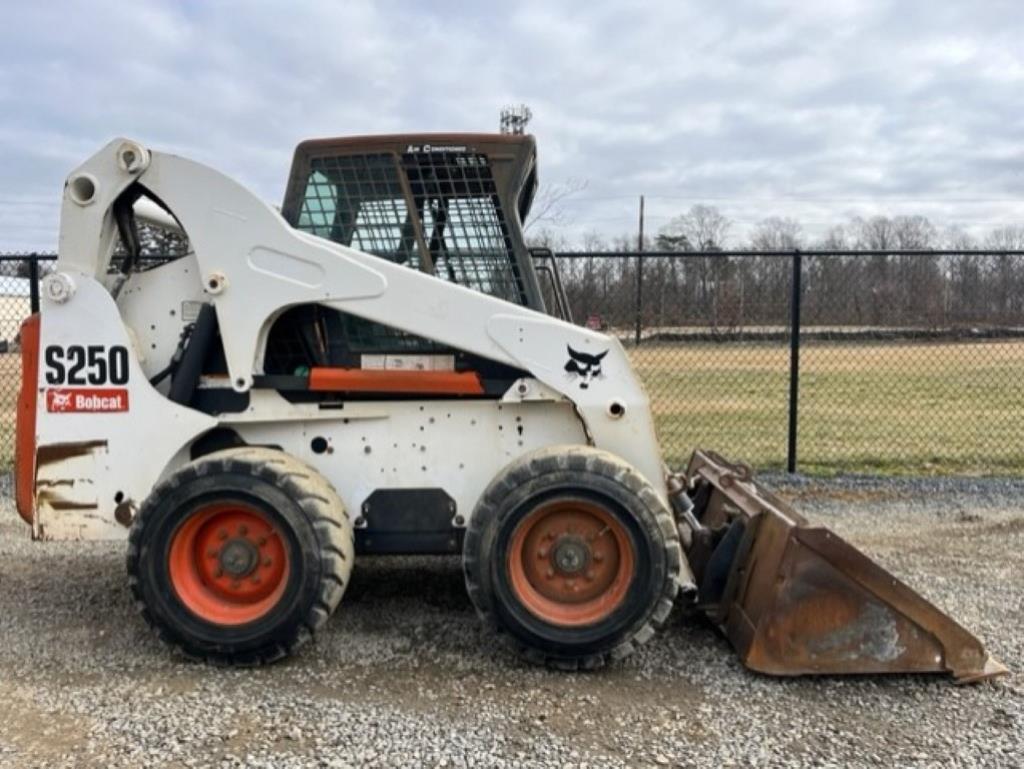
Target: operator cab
x=451 y=205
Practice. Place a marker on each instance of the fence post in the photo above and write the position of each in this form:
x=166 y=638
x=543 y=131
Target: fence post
x=794 y=357
x=33 y=282
x=640 y=275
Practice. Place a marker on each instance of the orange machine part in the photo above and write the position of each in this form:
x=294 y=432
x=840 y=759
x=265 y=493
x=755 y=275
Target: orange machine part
x=199 y=565
x=395 y=382
x=25 y=441
x=595 y=586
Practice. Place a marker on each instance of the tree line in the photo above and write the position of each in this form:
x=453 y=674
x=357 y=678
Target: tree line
x=723 y=292
x=719 y=291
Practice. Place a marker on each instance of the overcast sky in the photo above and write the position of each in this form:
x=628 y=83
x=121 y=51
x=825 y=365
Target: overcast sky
x=816 y=110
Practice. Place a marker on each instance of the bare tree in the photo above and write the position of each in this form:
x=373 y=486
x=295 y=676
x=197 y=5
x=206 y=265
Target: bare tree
x=704 y=228
x=921 y=294
x=548 y=237
x=874 y=234
x=1006 y=238
x=836 y=239
x=914 y=232
x=1008 y=284
x=548 y=207
x=963 y=278
x=777 y=234
x=766 y=279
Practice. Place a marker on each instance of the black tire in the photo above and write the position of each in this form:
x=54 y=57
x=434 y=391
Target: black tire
x=309 y=524
x=599 y=478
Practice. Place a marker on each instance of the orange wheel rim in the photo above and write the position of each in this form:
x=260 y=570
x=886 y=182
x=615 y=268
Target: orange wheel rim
x=571 y=562
x=228 y=564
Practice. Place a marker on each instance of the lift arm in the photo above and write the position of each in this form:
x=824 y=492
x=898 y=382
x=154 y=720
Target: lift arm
x=254 y=266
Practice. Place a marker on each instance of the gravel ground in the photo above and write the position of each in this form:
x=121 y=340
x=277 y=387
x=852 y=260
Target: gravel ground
x=404 y=676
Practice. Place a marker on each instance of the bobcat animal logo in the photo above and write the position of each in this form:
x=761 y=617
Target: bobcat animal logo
x=60 y=401
x=585 y=366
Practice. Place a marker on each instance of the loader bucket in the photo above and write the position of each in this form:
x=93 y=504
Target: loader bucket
x=794 y=599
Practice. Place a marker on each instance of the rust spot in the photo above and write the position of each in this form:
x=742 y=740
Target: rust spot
x=58 y=452
x=799 y=599
x=59 y=493
x=62 y=504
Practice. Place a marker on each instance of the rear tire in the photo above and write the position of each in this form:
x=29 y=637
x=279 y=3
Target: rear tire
x=240 y=556
x=571 y=555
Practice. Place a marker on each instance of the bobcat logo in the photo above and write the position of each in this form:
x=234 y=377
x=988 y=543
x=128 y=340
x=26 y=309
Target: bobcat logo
x=59 y=401
x=585 y=366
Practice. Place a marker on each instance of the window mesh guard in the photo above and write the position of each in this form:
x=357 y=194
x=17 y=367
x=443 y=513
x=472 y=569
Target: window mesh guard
x=451 y=225
x=358 y=201
x=465 y=229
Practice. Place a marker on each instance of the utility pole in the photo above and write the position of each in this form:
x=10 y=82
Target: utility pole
x=640 y=274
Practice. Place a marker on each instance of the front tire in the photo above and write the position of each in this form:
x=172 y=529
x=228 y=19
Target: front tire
x=240 y=556
x=572 y=555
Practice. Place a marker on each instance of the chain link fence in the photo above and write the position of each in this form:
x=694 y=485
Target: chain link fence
x=876 y=362
x=895 y=362
x=19 y=283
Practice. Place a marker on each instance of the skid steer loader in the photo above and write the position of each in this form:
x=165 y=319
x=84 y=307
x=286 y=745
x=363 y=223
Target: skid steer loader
x=375 y=370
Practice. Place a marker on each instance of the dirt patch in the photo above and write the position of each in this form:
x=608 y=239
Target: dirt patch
x=37 y=734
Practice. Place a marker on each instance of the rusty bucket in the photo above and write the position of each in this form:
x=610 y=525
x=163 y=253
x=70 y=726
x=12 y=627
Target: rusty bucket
x=794 y=599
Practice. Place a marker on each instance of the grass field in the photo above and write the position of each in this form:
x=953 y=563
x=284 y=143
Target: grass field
x=893 y=408
x=890 y=408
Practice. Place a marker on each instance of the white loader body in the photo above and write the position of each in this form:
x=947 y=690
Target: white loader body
x=104 y=438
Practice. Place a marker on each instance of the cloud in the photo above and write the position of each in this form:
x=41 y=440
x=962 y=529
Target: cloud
x=810 y=110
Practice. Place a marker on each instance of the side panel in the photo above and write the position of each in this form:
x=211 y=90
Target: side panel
x=458 y=446
x=104 y=436
x=156 y=305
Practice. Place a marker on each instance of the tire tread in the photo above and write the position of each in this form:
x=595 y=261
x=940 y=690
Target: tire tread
x=319 y=502
x=555 y=461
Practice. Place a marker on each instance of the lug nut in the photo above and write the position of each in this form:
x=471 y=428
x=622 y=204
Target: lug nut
x=255 y=579
x=590 y=576
x=542 y=553
x=261 y=541
x=218 y=572
x=211 y=553
x=598 y=556
x=267 y=562
x=243 y=530
x=235 y=584
x=223 y=533
x=550 y=574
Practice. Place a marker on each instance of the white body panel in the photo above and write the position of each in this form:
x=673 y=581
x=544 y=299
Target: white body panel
x=89 y=463
x=252 y=266
x=455 y=445
x=156 y=305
